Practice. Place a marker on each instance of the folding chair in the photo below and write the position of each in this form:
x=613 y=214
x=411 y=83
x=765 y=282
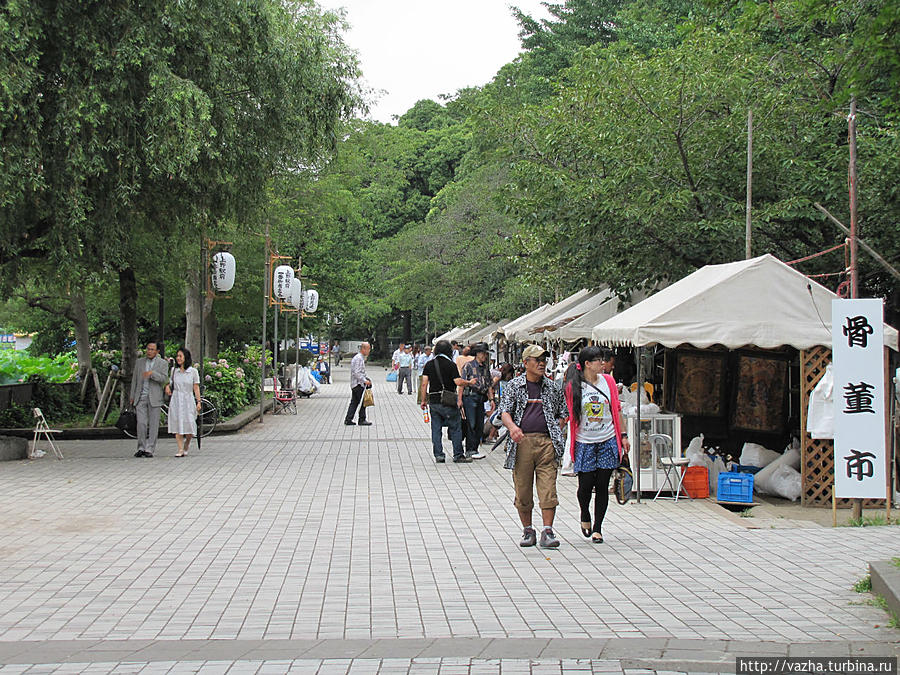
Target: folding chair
x=285 y=399
x=41 y=428
x=665 y=452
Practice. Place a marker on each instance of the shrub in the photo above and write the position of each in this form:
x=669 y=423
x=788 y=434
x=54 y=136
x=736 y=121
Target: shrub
x=231 y=382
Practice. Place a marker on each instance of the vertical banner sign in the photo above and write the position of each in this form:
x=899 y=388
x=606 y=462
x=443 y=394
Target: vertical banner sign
x=860 y=457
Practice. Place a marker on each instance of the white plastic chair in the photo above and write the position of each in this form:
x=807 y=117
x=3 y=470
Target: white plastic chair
x=41 y=428
x=665 y=451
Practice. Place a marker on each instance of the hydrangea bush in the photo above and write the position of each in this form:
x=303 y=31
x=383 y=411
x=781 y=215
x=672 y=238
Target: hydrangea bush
x=231 y=382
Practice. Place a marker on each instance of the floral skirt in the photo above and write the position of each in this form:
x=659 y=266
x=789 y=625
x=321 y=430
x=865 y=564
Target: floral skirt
x=593 y=456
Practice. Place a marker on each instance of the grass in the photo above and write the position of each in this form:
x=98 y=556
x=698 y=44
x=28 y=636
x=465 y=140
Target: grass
x=864 y=585
x=895 y=562
x=746 y=513
x=868 y=521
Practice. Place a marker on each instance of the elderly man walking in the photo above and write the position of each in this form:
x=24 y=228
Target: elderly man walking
x=147 y=381
x=358 y=384
x=406 y=361
x=533 y=409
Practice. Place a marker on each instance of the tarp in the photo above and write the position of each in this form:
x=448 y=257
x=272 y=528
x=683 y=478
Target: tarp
x=513 y=325
x=761 y=302
x=454 y=333
x=563 y=316
x=522 y=330
x=483 y=334
x=581 y=327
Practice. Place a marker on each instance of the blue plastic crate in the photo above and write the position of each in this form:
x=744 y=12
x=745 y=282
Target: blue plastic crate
x=735 y=487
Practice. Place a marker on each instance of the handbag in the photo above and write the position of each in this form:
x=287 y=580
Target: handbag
x=127 y=422
x=391 y=376
x=447 y=396
x=623 y=481
x=368 y=398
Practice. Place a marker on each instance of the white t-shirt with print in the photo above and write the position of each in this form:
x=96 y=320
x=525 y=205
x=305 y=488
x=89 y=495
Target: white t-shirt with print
x=596 y=417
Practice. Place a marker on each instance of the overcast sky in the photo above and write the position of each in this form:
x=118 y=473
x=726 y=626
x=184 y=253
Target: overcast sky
x=415 y=49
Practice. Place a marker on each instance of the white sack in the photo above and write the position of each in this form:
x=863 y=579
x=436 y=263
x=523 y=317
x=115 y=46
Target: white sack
x=820 y=418
x=786 y=483
x=762 y=481
x=647 y=409
x=694 y=452
x=753 y=454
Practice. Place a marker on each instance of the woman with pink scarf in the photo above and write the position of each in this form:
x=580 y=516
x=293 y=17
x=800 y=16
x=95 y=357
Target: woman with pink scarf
x=596 y=442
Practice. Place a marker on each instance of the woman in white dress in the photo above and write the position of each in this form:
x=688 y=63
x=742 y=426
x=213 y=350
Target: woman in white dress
x=184 y=388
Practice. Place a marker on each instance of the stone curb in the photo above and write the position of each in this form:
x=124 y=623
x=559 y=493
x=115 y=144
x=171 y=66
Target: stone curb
x=644 y=653
x=886 y=583
x=236 y=423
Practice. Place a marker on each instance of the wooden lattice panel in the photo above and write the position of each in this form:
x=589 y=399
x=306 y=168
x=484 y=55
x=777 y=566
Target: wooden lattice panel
x=817 y=454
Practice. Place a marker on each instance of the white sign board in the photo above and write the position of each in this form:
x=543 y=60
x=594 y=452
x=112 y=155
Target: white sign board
x=860 y=457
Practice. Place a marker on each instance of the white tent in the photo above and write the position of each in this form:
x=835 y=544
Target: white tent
x=454 y=333
x=761 y=302
x=484 y=333
x=522 y=331
x=512 y=326
x=565 y=315
x=582 y=326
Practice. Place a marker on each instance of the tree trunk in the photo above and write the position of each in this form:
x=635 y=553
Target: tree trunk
x=128 y=325
x=407 y=327
x=381 y=339
x=78 y=315
x=211 y=329
x=192 y=314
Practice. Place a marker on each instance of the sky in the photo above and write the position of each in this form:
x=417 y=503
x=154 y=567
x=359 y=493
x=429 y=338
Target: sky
x=415 y=49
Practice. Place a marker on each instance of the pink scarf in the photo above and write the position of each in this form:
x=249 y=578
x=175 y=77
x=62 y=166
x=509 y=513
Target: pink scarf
x=615 y=410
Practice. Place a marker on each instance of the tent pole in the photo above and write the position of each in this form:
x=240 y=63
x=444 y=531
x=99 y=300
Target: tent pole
x=637 y=435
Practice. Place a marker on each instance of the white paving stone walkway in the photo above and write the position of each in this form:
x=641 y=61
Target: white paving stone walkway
x=302 y=528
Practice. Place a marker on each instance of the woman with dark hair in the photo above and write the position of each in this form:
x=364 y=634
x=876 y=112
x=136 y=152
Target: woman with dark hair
x=184 y=388
x=596 y=442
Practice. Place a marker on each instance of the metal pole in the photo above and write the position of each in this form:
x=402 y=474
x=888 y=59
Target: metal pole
x=637 y=422
x=854 y=272
x=275 y=381
x=748 y=229
x=267 y=276
x=297 y=352
x=204 y=291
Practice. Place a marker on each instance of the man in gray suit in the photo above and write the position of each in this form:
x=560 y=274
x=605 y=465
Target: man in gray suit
x=150 y=376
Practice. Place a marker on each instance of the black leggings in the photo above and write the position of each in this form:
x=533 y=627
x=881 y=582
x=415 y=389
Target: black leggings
x=587 y=482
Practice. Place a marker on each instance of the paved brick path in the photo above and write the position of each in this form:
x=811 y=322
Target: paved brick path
x=307 y=545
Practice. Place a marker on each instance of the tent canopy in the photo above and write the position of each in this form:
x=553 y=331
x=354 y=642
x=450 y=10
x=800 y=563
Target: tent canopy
x=483 y=334
x=524 y=327
x=581 y=327
x=761 y=302
x=512 y=326
x=454 y=333
x=564 y=316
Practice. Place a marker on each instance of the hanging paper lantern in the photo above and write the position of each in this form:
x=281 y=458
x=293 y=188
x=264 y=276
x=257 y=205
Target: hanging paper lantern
x=281 y=283
x=296 y=294
x=311 y=300
x=222 y=272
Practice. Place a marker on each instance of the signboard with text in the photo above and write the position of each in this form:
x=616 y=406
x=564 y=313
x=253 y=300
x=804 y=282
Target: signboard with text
x=860 y=456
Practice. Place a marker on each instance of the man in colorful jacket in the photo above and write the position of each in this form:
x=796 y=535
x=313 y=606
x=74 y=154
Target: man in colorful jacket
x=532 y=408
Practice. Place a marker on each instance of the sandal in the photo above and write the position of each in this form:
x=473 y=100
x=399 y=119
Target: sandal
x=586 y=528
x=179 y=454
x=597 y=538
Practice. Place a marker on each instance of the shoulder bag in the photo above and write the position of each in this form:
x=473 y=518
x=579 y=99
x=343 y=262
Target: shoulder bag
x=447 y=396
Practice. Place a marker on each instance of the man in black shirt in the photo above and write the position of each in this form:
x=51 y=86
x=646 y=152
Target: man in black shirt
x=478 y=390
x=441 y=380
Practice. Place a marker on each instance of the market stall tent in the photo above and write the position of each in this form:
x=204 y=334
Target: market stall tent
x=761 y=302
x=565 y=315
x=511 y=327
x=581 y=327
x=523 y=328
x=454 y=333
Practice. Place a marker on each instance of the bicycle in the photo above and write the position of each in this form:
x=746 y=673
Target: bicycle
x=207 y=418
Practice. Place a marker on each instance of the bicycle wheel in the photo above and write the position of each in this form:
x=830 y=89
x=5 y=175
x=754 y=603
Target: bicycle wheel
x=207 y=419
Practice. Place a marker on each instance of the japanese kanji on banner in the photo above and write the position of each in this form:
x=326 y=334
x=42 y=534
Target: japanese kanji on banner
x=860 y=457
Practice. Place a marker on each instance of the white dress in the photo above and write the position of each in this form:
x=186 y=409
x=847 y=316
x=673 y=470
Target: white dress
x=183 y=406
